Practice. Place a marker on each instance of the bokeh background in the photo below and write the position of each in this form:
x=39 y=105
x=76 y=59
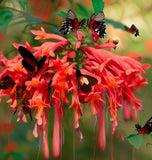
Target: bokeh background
x=16 y=139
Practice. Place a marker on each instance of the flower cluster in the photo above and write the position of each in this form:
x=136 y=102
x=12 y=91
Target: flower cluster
x=103 y=74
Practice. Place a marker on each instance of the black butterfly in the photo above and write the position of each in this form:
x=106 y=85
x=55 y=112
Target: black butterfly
x=71 y=23
x=85 y=82
x=146 y=129
x=96 y=24
x=6 y=82
x=29 y=62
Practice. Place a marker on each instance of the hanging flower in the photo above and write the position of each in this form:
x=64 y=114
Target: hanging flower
x=60 y=74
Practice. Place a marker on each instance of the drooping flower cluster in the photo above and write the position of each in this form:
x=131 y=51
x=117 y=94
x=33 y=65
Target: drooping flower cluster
x=118 y=77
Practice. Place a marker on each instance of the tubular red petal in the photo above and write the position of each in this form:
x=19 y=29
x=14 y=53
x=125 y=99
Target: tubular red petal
x=55 y=143
x=45 y=135
x=101 y=136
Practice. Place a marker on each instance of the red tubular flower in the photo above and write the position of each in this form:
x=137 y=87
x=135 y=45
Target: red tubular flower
x=62 y=74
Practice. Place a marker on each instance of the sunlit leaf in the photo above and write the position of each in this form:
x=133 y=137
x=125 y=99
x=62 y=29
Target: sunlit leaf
x=115 y=24
x=61 y=14
x=5 y=18
x=22 y=3
x=31 y=18
x=98 y=5
x=135 y=140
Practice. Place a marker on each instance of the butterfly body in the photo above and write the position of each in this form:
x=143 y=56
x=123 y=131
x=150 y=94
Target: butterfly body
x=71 y=23
x=85 y=82
x=146 y=129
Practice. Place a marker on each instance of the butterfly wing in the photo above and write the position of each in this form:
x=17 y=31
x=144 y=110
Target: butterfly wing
x=146 y=129
x=96 y=24
x=26 y=109
x=133 y=30
x=19 y=95
x=41 y=63
x=29 y=62
x=6 y=82
x=71 y=23
x=85 y=82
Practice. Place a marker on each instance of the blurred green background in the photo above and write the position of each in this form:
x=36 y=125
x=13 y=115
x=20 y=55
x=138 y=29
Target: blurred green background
x=16 y=139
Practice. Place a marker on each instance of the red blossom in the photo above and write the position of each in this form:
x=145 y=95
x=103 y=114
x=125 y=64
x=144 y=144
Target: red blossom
x=116 y=76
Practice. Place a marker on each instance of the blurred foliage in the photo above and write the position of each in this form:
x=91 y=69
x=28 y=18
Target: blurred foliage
x=20 y=18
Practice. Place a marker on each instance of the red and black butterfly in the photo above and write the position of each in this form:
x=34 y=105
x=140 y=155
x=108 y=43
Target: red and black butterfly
x=96 y=24
x=29 y=62
x=133 y=29
x=85 y=82
x=146 y=129
x=71 y=23
x=6 y=82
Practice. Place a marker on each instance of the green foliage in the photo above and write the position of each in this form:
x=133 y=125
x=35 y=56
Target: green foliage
x=31 y=18
x=5 y=18
x=14 y=155
x=61 y=14
x=22 y=3
x=55 y=30
x=115 y=24
x=147 y=144
x=83 y=11
x=135 y=140
x=98 y=5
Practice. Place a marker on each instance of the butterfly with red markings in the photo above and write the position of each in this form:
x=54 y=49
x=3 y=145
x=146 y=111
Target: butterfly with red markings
x=29 y=62
x=96 y=24
x=6 y=82
x=85 y=82
x=71 y=23
x=146 y=129
x=133 y=29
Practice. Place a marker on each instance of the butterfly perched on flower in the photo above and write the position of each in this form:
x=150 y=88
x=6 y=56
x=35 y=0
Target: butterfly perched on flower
x=133 y=29
x=29 y=62
x=71 y=23
x=6 y=82
x=22 y=96
x=96 y=24
x=85 y=82
x=146 y=129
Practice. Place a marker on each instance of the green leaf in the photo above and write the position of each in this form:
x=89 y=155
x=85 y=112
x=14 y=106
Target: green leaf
x=55 y=30
x=98 y=5
x=22 y=3
x=115 y=24
x=16 y=156
x=61 y=14
x=82 y=11
x=147 y=144
x=33 y=18
x=135 y=140
x=5 y=18
x=150 y=134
